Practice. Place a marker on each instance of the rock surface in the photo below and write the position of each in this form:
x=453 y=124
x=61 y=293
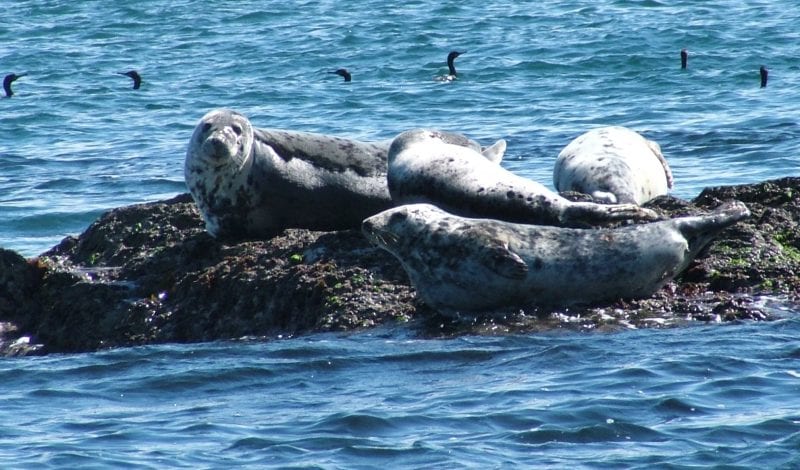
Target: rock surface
x=149 y=273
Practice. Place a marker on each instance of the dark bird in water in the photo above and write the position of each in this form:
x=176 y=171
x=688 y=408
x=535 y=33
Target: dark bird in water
x=684 y=58
x=453 y=74
x=764 y=75
x=137 y=79
x=343 y=73
x=8 y=81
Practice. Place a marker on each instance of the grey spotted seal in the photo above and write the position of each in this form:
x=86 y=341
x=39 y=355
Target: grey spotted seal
x=614 y=165
x=459 y=264
x=253 y=183
x=424 y=167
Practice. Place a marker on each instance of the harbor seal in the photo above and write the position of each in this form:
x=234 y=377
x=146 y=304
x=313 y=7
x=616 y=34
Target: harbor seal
x=423 y=167
x=253 y=183
x=614 y=165
x=458 y=264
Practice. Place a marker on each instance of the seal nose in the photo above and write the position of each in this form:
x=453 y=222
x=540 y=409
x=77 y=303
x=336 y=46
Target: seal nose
x=217 y=146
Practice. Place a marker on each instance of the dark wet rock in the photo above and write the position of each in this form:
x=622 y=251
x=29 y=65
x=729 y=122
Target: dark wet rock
x=149 y=273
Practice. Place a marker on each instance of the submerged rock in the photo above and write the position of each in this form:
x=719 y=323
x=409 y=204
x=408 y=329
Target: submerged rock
x=149 y=273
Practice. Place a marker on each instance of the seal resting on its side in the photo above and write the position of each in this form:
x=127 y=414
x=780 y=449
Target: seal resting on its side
x=614 y=165
x=424 y=167
x=458 y=264
x=253 y=183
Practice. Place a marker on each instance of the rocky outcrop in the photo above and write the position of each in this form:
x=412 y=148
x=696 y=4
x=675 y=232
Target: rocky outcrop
x=149 y=273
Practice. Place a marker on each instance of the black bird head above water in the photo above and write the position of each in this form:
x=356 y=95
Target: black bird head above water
x=450 y=58
x=343 y=73
x=8 y=81
x=764 y=76
x=137 y=79
x=684 y=58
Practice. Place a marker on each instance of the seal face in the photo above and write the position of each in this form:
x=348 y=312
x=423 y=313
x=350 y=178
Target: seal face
x=459 y=264
x=613 y=165
x=424 y=167
x=253 y=183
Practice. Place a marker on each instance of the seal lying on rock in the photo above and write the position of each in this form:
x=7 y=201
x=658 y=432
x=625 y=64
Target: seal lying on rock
x=613 y=165
x=424 y=167
x=251 y=182
x=458 y=264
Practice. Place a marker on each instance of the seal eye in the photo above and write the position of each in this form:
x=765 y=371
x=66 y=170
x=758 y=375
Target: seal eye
x=206 y=127
x=237 y=130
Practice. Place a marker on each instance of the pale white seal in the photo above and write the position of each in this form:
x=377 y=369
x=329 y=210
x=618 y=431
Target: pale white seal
x=613 y=165
x=458 y=264
x=253 y=183
x=424 y=167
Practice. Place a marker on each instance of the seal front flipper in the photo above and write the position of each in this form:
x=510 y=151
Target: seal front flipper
x=499 y=259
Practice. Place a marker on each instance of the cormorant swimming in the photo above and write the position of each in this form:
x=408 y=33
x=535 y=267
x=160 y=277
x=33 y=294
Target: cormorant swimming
x=8 y=81
x=343 y=73
x=684 y=58
x=137 y=79
x=453 y=74
x=764 y=75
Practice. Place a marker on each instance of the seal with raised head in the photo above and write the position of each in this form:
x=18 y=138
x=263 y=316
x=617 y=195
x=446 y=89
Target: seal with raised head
x=253 y=183
x=424 y=167
x=459 y=264
x=613 y=165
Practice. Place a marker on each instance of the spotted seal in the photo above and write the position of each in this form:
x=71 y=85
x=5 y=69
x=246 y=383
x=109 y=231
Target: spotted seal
x=253 y=183
x=614 y=165
x=424 y=167
x=459 y=264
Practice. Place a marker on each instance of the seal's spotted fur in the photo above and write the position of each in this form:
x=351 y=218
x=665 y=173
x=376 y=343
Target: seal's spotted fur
x=613 y=165
x=458 y=264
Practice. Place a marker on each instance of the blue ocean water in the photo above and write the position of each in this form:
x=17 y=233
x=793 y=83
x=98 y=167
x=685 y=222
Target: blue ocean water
x=76 y=140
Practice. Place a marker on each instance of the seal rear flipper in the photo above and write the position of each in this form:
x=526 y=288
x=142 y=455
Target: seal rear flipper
x=495 y=152
x=706 y=226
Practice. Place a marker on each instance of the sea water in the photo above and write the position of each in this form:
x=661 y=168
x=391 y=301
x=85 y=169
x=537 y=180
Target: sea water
x=76 y=140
